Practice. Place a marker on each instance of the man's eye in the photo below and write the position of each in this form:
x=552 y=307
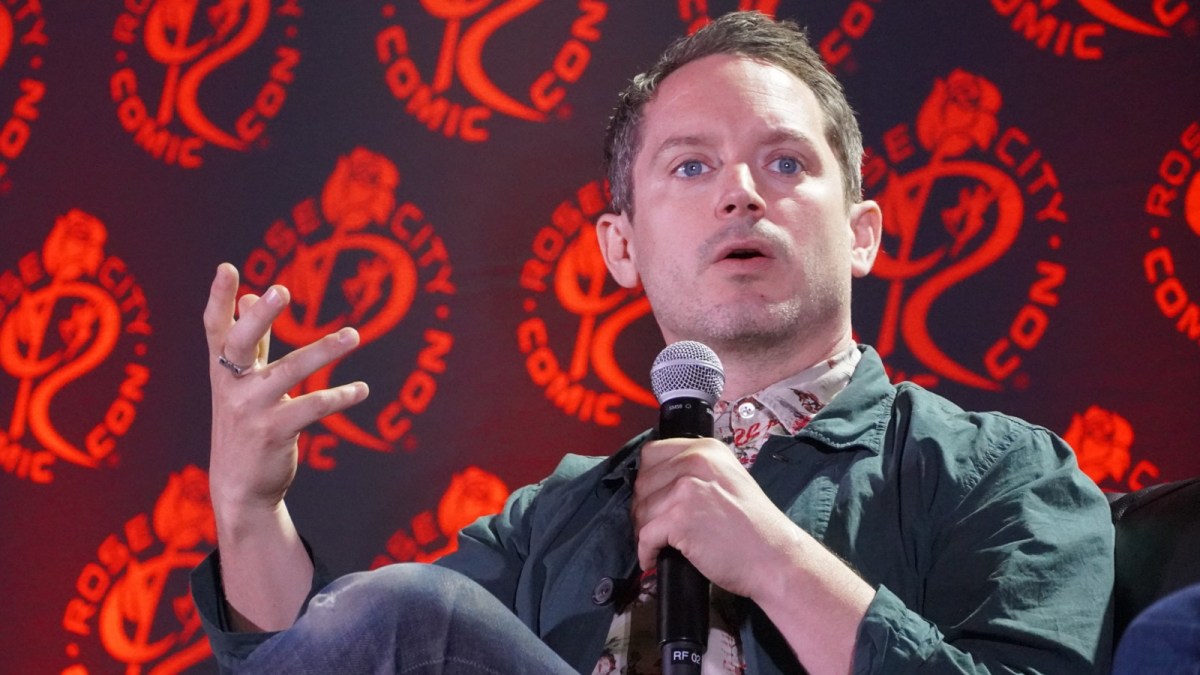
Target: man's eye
x=786 y=165
x=692 y=167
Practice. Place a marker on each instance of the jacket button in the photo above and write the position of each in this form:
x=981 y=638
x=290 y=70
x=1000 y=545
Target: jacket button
x=602 y=594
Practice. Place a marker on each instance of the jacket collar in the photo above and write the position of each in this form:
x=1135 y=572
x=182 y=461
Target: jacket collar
x=857 y=418
x=622 y=467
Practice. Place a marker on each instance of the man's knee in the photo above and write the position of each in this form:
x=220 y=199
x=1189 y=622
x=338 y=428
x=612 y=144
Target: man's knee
x=412 y=618
x=401 y=588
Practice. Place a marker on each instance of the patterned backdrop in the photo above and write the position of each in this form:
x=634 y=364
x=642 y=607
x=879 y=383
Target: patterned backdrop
x=428 y=171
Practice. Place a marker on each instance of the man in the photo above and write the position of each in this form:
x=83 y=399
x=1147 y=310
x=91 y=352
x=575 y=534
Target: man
x=854 y=527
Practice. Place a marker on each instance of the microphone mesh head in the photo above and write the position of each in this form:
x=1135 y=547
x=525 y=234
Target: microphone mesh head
x=687 y=369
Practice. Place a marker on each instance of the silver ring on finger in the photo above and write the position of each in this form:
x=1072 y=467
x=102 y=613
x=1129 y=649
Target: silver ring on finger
x=238 y=371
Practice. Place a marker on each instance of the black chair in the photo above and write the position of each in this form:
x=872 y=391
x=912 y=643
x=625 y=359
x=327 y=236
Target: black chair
x=1157 y=547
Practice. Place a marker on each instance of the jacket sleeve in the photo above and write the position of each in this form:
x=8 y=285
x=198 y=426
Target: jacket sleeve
x=230 y=647
x=1020 y=571
x=490 y=551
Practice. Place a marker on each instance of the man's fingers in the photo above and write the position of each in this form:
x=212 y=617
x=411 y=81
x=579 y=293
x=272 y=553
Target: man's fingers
x=672 y=501
x=245 y=302
x=255 y=316
x=294 y=367
x=263 y=348
x=651 y=539
x=218 y=313
x=298 y=413
x=665 y=461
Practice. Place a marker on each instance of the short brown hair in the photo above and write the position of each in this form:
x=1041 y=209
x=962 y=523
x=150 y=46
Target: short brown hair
x=753 y=35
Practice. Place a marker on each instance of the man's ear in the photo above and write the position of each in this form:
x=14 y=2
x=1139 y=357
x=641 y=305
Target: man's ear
x=866 y=231
x=614 y=233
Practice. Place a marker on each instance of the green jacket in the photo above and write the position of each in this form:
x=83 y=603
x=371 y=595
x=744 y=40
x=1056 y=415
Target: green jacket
x=990 y=550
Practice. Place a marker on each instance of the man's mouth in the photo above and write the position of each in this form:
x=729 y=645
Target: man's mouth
x=743 y=249
x=744 y=254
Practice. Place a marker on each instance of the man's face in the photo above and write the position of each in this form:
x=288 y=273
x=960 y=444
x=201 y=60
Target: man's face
x=741 y=234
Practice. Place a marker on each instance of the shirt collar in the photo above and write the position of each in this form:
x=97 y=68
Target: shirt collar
x=783 y=408
x=858 y=417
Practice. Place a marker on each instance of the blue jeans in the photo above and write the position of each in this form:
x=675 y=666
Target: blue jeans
x=1165 y=638
x=405 y=619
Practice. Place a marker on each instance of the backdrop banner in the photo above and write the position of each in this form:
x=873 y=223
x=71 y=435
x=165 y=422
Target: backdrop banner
x=429 y=172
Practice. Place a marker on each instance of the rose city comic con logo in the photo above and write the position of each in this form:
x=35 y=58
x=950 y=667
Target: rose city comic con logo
x=1081 y=29
x=356 y=257
x=452 y=92
x=1172 y=201
x=132 y=610
x=472 y=494
x=192 y=75
x=22 y=38
x=1102 y=440
x=568 y=283
x=957 y=192
x=697 y=14
x=73 y=330
x=836 y=47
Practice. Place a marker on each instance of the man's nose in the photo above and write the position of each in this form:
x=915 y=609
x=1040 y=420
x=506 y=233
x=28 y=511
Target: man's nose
x=739 y=194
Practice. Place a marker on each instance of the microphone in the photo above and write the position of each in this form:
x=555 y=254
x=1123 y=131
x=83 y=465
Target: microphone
x=687 y=380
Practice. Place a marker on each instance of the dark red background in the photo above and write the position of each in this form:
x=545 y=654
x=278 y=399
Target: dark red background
x=1109 y=115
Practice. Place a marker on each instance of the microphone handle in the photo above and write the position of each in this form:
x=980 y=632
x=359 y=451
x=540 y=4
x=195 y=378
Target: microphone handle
x=682 y=614
x=682 y=591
